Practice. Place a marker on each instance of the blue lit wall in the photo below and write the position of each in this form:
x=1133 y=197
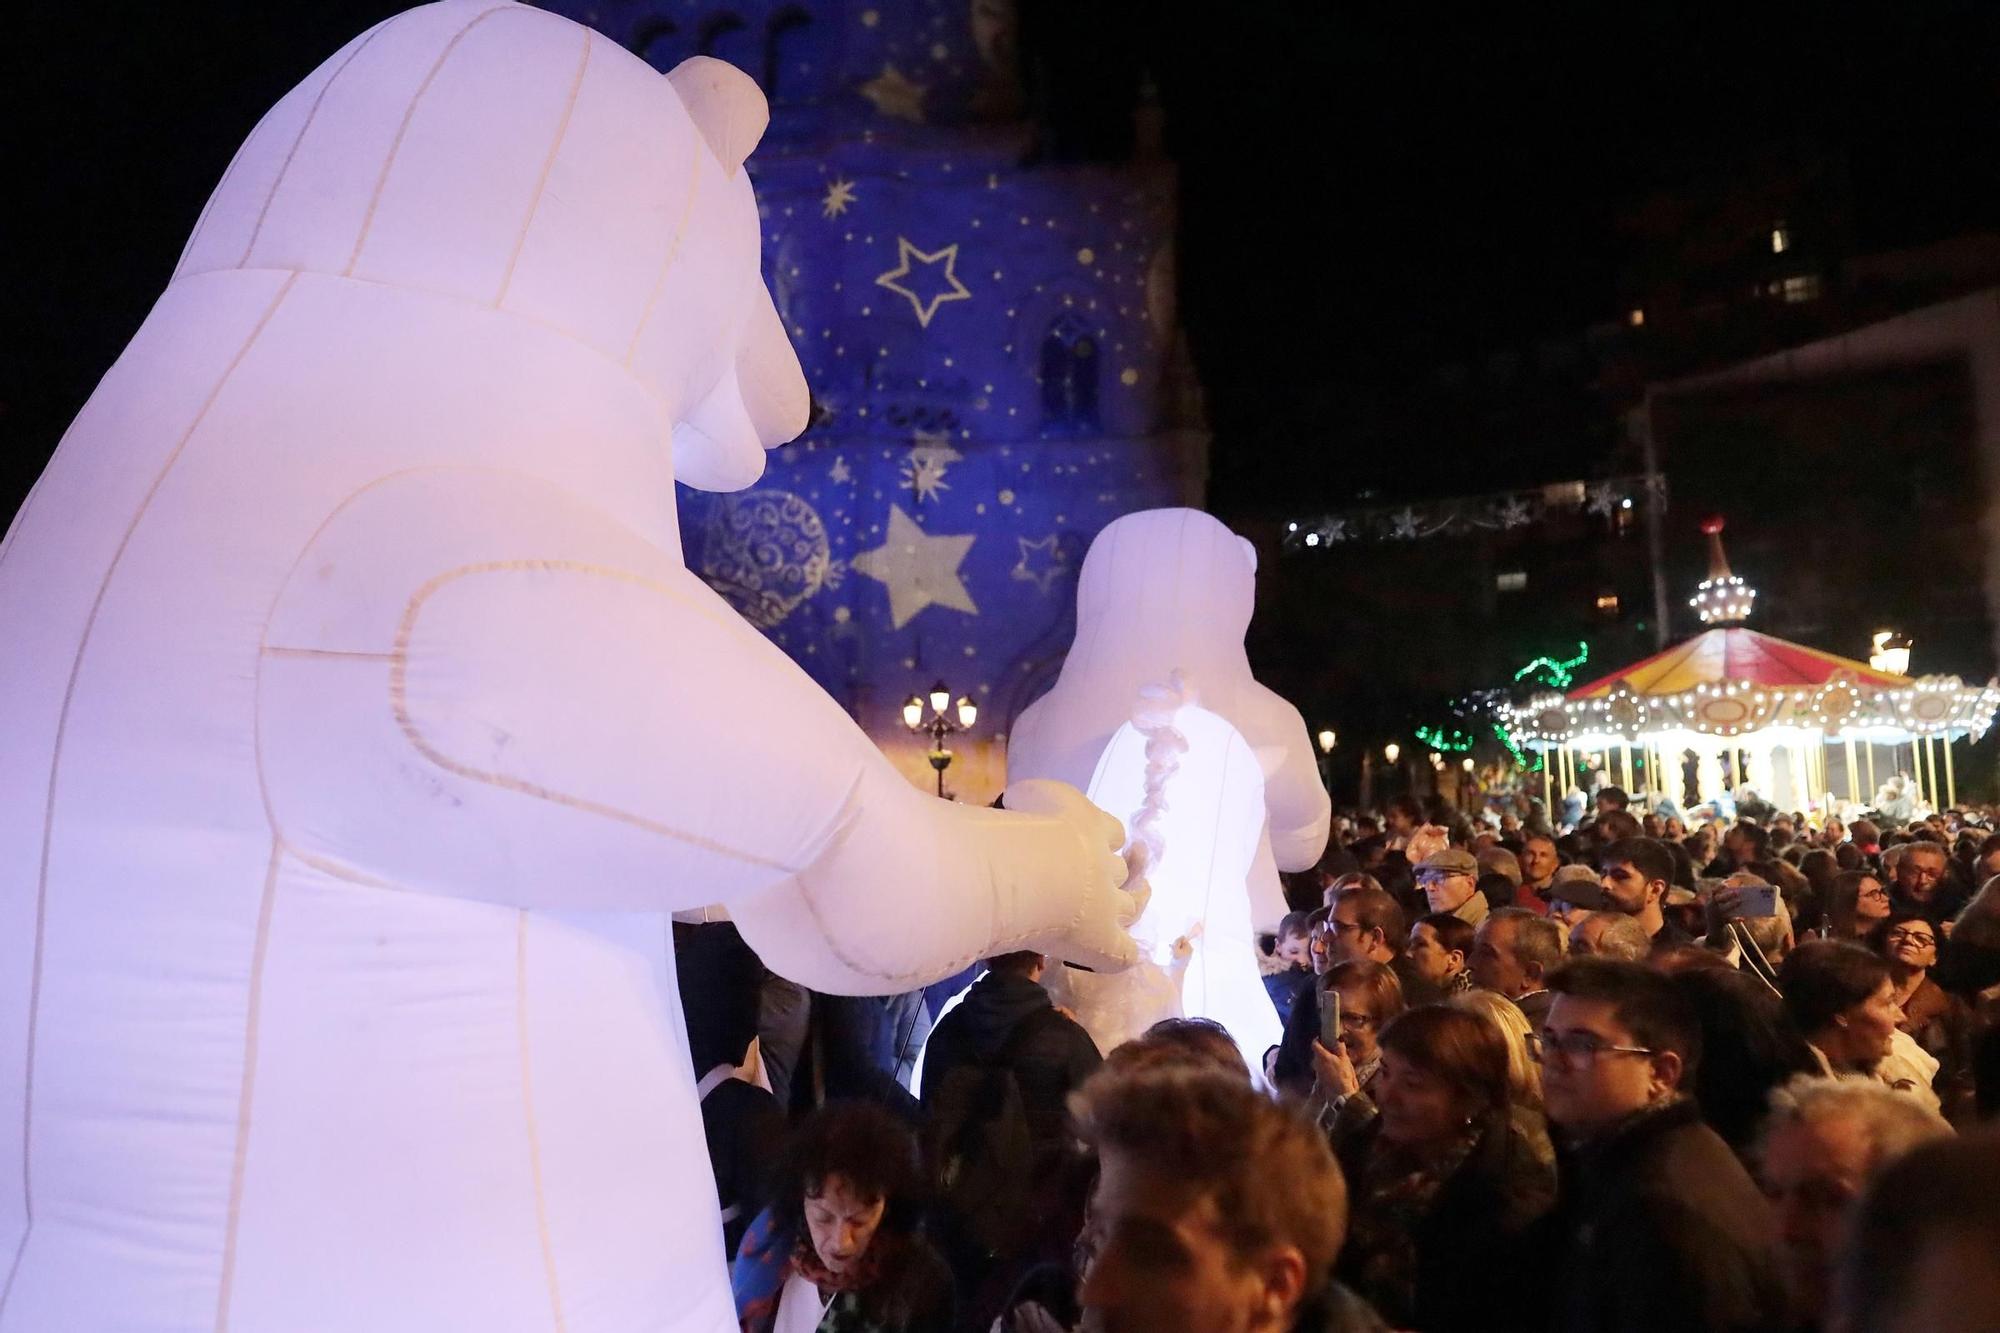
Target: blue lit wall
x=991 y=351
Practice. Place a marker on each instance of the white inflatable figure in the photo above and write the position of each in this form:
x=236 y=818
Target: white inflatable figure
x=1208 y=825
x=361 y=727
x=1161 y=590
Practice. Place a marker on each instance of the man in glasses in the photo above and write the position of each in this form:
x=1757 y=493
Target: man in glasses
x=1658 y=1224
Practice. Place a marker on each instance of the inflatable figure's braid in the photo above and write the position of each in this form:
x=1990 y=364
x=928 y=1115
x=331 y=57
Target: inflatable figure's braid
x=1153 y=718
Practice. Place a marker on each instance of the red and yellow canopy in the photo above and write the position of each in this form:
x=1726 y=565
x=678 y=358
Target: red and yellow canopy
x=1732 y=653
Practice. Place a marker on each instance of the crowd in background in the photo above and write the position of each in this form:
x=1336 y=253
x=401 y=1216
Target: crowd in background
x=1610 y=1073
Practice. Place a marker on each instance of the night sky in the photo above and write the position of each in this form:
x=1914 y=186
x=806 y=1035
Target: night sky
x=1367 y=191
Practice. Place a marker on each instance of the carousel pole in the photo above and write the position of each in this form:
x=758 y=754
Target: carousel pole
x=1625 y=754
x=1950 y=779
x=1930 y=760
x=1869 y=746
x=1917 y=768
x=1853 y=776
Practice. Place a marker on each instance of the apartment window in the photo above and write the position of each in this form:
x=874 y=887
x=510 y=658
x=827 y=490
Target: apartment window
x=1636 y=317
x=1781 y=238
x=1607 y=603
x=1802 y=288
x=1513 y=580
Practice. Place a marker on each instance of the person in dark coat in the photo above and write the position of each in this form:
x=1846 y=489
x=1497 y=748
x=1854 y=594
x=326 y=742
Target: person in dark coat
x=1447 y=1181
x=1006 y=1015
x=1657 y=1224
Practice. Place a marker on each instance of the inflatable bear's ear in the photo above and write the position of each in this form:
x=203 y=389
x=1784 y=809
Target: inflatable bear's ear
x=767 y=372
x=726 y=105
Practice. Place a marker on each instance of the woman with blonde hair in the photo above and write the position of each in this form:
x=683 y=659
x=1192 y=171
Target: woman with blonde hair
x=1524 y=1075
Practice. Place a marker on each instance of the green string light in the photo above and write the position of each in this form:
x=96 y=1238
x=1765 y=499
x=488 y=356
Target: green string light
x=1559 y=673
x=1453 y=741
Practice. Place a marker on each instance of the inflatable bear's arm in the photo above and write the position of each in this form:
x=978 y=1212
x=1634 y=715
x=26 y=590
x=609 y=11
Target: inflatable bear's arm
x=1301 y=812
x=476 y=685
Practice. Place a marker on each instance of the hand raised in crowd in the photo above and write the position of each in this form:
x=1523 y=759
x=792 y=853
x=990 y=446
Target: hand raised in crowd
x=1335 y=1070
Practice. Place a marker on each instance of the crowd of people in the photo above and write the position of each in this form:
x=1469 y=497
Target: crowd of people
x=1621 y=1074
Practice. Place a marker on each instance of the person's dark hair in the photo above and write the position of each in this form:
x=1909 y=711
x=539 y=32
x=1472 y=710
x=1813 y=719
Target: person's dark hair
x=1646 y=1003
x=1536 y=938
x=1295 y=924
x=1648 y=856
x=1374 y=909
x=1842 y=896
x=1748 y=1048
x=1849 y=857
x=1823 y=978
x=862 y=1143
x=1819 y=866
x=1617 y=826
x=1759 y=838
x=1017 y=964
x=1269 y=1170
x=1407 y=807
x=1197 y=1043
x=1457 y=1046
x=1375 y=978
x=1940 y=1191
x=1614 y=797
x=1452 y=931
x=1685 y=871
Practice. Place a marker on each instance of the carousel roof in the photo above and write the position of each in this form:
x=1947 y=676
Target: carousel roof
x=1732 y=653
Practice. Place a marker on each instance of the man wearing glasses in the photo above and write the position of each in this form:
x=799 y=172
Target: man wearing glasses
x=1658 y=1224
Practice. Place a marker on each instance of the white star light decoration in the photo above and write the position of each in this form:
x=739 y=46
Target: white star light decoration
x=840 y=472
x=1042 y=562
x=919 y=570
x=924 y=468
x=839 y=195
x=925 y=306
x=893 y=94
x=1602 y=500
x=1514 y=512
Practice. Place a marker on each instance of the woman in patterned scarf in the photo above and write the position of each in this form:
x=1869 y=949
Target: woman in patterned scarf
x=838 y=1251
x=1445 y=1182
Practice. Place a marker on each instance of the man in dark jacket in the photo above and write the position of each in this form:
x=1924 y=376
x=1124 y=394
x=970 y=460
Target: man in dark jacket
x=1657 y=1223
x=1007 y=1018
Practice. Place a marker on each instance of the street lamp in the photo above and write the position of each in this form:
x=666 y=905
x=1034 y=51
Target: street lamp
x=1326 y=740
x=1891 y=652
x=1392 y=752
x=940 y=725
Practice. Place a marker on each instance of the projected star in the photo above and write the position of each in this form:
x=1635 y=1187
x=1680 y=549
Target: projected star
x=1042 y=562
x=839 y=195
x=936 y=265
x=840 y=472
x=895 y=95
x=929 y=459
x=918 y=569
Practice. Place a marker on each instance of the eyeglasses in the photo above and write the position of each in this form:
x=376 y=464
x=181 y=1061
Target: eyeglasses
x=1877 y=892
x=1579 y=1048
x=1923 y=937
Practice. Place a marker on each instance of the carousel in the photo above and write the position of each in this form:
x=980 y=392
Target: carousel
x=1732 y=709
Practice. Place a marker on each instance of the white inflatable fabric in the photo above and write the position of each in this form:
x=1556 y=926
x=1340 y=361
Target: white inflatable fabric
x=361 y=726
x=1161 y=590
x=1209 y=825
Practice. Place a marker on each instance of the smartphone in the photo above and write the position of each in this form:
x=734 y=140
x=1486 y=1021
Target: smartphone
x=1757 y=900
x=1329 y=1018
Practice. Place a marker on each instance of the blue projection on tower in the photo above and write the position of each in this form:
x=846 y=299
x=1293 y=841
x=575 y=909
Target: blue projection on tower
x=991 y=348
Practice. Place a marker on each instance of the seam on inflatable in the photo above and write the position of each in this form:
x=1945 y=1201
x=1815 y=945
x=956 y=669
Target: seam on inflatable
x=285 y=168
x=410 y=114
x=528 y=1114
x=548 y=165
x=55 y=767
x=247 y=1093
x=399 y=705
x=667 y=262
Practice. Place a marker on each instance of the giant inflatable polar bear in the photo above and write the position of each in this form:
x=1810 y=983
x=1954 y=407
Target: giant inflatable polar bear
x=359 y=726
x=1165 y=590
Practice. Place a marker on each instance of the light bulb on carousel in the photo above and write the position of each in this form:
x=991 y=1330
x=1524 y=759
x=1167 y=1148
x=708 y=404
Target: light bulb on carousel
x=1722 y=598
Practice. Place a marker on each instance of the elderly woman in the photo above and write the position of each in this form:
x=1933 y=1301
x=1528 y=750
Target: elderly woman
x=1344 y=1076
x=838 y=1251
x=1937 y=1020
x=1445 y=1183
